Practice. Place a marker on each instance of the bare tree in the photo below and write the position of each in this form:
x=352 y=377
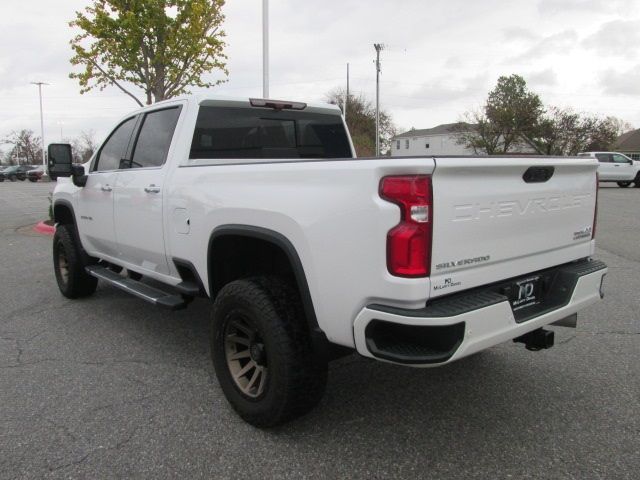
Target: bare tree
x=25 y=147
x=565 y=132
x=361 y=120
x=83 y=146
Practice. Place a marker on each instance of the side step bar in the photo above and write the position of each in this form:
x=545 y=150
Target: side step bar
x=141 y=290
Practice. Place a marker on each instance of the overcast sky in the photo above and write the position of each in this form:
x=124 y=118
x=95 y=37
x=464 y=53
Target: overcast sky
x=441 y=57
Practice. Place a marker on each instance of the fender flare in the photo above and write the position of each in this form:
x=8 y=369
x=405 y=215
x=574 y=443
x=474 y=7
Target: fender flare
x=318 y=337
x=67 y=204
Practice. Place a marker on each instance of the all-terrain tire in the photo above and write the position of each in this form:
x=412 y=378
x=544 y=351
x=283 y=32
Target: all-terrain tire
x=269 y=309
x=69 y=261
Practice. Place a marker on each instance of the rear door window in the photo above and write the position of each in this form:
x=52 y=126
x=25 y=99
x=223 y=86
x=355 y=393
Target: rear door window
x=154 y=138
x=223 y=132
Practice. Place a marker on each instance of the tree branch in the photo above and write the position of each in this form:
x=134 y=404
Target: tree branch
x=115 y=82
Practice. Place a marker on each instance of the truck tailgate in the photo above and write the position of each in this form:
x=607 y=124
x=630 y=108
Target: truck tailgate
x=499 y=217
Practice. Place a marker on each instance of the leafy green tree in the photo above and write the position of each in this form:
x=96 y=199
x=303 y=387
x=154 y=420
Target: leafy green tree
x=160 y=46
x=361 y=120
x=510 y=118
x=513 y=110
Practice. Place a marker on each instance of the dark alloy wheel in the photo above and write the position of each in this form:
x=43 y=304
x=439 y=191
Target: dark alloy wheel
x=69 y=261
x=262 y=352
x=624 y=184
x=246 y=356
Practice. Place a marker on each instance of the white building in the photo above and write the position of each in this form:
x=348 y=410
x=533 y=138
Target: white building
x=440 y=140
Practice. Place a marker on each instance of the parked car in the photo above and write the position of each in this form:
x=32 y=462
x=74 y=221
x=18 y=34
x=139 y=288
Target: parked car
x=36 y=174
x=15 y=172
x=616 y=167
x=309 y=253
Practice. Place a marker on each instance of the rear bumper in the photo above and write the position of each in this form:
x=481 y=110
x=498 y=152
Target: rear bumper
x=454 y=327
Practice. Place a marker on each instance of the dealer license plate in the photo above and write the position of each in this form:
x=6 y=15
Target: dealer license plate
x=526 y=292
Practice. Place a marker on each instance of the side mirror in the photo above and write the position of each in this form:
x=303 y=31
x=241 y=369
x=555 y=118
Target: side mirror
x=60 y=160
x=78 y=176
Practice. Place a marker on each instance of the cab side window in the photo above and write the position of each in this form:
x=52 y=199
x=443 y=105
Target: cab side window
x=604 y=157
x=154 y=138
x=115 y=148
x=620 y=159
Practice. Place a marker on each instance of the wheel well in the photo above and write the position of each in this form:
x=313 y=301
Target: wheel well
x=232 y=257
x=63 y=215
x=239 y=251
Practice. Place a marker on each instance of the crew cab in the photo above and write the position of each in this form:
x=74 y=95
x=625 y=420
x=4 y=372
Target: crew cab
x=308 y=253
x=616 y=167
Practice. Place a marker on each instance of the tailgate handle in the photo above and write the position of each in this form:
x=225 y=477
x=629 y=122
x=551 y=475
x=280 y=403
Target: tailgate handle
x=538 y=174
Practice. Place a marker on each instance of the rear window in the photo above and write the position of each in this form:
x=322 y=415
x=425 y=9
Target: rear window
x=223 y=132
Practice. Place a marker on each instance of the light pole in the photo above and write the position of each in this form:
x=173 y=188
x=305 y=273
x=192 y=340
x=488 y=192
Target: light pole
x=265 y=48
x=40 y=84
x=61 y=124
x=379 y=47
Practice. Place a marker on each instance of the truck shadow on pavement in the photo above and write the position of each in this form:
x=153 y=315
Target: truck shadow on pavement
x=504 y=388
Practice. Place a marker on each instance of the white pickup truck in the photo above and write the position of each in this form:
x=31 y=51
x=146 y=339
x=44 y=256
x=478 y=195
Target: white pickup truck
x=616 y=167
x=308 y=252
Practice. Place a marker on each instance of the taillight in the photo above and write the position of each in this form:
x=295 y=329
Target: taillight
x=409 y=242
x=595 y=213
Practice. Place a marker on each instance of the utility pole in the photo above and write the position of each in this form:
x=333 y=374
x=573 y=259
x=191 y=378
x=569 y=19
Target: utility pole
x=346 y=97
x=379 y=47
x=40 y=84
x=265 y=48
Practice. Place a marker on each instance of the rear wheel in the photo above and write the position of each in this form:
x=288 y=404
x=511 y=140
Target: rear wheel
x=262 y=352
x=636 y=182
x=12 y=178
x=34 y=180
x=69 y=261
x=624 y=184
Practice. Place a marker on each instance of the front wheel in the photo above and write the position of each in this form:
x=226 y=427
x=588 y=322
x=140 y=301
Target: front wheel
x=262 y=353
x=34 y=180
x=69 y=261
x=624 y=184
x=12 y=178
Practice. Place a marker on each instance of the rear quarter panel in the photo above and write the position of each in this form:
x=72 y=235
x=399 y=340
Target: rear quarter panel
x=329 y=210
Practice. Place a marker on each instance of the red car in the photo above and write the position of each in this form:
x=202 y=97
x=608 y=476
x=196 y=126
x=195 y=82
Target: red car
x=35 y=174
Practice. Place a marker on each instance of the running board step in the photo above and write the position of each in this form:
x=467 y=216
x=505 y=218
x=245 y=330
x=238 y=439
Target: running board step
x=138 y=289
x=188 y=288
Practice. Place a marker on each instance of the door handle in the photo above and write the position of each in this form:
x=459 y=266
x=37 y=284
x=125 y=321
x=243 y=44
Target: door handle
x=152 y=189
x=106 y=188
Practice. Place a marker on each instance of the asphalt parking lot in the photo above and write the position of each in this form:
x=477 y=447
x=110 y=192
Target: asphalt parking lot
x=110 y=387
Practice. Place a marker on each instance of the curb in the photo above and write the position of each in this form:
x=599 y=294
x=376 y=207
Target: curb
x=44 y=229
